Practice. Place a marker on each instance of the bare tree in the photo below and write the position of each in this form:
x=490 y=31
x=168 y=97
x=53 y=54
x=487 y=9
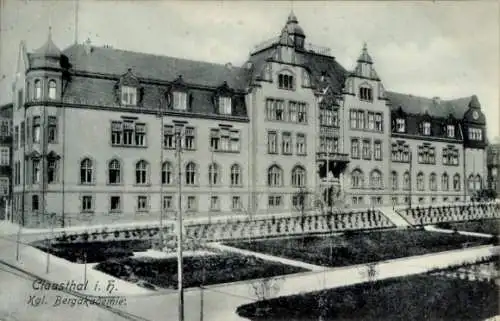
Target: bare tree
x=300 y=205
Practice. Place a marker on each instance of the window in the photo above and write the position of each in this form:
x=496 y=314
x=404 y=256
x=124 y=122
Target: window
x=477 y=183
x=52 y=130
x=450 y=155
x=426 y=128
x=213 y=174
x=52 y=89
x=114 y=172
x=87 y=204
x=17 y=173
x=22 y=133
x=450 y=131
x=376 y=179
x=272 y=142
x=433 y=200
x=292 y=111
x=115 y=204
x=354 y=148
x=225 y=105
x=298 y=176
x=445 y=199
x=20 y=98
x=168 y=137
x=302 y=113
x=378 y=122
x=406 y=181
x=38 y=89
x=225 y=140
x=189 y=138
x=179 y=100
x=4 y=156
x=357 y=119
x=457 y=199
x=376 y=200
x=36 y=129
x=445 y=184
x=141 y=172
x=285 y=82
x=365 y=94
x=420 y=181
x=286 y=143
x=357 y=179
x=329 y=117
x=456 y=182
x=36 y=171
x=235 y=175
x=4 y=186
x=328 y=144
x=51 y=171
x=5 y=127
x=86 y=171
x=426 y=154
x=214 y=203
x=301 y=144
x=475 y=134
x=433 y=182
x=394 y=179
x=367 y=153
x=299 y=201
x=16 y=137
x=400 y=125
x=400 y=152
x=129 y=96
x=167 y=173
x=140 y=134
x=357 y=200
x=236 y=203
x=191 y=173
x=275 y=109
x=35 y=203
x=128 y=133
x=142 y=203
x=378 y=150
x=274 y=201
x=394 y=200
x=371 y=120
x=274 y=176
x=191 y=203
x=168 y=202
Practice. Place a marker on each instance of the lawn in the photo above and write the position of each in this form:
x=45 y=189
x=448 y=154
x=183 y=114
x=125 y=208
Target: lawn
x=491 y=226
x=198 y=270
x=359 y=248
x=414 y=298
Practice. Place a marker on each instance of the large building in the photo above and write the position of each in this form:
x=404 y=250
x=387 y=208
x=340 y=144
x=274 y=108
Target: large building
x=5 y=161
x=493 y=162
x=95 y=133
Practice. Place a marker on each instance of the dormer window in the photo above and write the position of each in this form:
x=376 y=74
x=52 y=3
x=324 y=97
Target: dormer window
x=225 y=105
x=475 y=134
x=285 y=81
x=400 y=125
x=365 y=94
x=179 y=100
x=52 y=89
x=129 y=96
x=450 y=131
x=426 y=128
x=38 y=89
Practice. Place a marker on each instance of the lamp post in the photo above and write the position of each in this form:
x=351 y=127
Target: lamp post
x=49 y=240
x=411 y=177
x=178 y=136
x=162 y=145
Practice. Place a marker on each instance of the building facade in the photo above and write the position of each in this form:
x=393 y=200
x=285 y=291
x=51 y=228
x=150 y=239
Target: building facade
x=97 y=131
x=5 y=161
x=493 y=163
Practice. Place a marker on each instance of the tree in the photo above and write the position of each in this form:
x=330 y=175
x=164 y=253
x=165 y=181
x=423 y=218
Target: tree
x=300 y=205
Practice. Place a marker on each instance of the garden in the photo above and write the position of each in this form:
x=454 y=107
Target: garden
x=414 y=298
x=359 y=247
x=488 y=226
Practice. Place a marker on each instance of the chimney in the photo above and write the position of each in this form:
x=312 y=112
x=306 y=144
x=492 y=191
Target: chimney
x=436 y=99
x=229 y=66
x=87 y=45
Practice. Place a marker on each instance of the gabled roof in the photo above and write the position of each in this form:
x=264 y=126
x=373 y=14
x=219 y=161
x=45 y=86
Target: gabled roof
x=416 y=105
x=104 y=60
x=319 y=65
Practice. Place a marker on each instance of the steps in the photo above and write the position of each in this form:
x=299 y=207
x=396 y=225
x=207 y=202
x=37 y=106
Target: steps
x=395 y=218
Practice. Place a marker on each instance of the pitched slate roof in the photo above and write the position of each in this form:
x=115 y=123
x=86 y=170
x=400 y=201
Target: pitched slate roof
x=104 y=60
x=416 y=105
x=319 y=65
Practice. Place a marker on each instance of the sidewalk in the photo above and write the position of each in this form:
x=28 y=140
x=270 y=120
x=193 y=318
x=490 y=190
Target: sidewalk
x=433 y=228
x=394 y=217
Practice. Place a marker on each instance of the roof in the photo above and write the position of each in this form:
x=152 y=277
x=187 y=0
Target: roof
x=416 y=105
x=49 y=49
x=365 y=57
x=103 y=60
x=319 y=66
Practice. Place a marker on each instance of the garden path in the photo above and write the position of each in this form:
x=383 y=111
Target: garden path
x=433 y=228
x=394 y=217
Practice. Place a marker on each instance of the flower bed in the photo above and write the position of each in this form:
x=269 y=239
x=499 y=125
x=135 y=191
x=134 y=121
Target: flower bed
x=198 y=270
x=491 y=226
x=359 y=248
x=415 y=298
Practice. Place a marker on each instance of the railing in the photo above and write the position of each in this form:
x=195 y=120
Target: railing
x=265 y=44
x=333 y=156
x=318 y=49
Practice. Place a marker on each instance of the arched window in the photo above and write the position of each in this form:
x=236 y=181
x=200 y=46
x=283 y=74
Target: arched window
x=376 y=179
x=114 y=172
x=420 y=181
x=433 y=182
x=456 y=182
x=51 y=171
x=235 y=175
x=191 y=173
x=166 y=173
x=274 y=176
x=357 y=179
x=445 y=184
x=365 y=93
x=141 y=172
x=406 y=180
x=86 y=171
x=298 y=176
x=286 y=80
x=36 y=171
x=471 y=182
x=213 y=174
x=52 y=89
x=478 y=183
x=38 y=89
x=394 y=180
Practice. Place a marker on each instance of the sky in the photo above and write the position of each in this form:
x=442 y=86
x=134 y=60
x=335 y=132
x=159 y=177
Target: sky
x=433 y=49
